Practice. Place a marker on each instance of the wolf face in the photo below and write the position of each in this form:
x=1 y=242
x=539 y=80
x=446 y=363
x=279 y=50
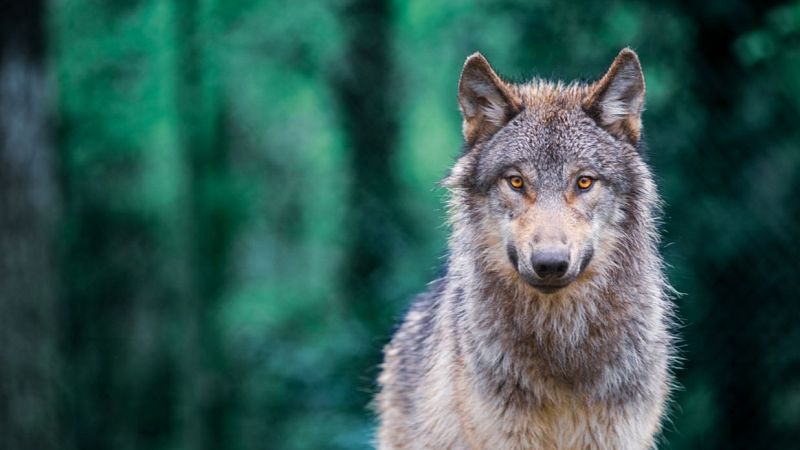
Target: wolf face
x=548 y=169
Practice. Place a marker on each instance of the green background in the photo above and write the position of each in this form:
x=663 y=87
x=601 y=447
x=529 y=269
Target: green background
x=240 y=199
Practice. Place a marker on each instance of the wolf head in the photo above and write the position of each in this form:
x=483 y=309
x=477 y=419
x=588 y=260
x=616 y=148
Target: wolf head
x=551 y=181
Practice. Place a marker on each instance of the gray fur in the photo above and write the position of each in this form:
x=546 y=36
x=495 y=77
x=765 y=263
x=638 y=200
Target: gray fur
x=493 y=356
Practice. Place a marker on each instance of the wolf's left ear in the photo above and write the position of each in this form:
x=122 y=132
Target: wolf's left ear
x=487 y=102
x=617 y=100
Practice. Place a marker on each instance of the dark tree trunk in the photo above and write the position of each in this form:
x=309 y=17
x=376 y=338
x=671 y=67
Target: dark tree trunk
x=366 y=92
x=366 y=99
x=212 y=225
x=28 y=210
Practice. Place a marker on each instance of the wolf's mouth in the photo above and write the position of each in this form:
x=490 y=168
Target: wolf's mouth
x=545 y=286
x=549 y=288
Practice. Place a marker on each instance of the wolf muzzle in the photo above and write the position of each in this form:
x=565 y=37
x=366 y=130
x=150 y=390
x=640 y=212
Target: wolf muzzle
x=548 y=268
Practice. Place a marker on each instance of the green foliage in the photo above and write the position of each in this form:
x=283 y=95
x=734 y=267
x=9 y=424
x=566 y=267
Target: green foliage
x=250 y=201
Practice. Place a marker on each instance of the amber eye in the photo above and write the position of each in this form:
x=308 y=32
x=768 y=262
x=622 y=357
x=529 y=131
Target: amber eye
x=585 y=182
x=516 y=182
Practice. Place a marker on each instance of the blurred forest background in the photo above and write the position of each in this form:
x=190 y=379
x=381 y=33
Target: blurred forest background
x=213 y=212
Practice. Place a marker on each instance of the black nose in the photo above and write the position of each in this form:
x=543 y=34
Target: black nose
x=550 y=263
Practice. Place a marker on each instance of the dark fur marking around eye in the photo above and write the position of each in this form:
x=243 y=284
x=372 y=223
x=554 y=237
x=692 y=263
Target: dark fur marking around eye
x=587 y=257
x=512 y=255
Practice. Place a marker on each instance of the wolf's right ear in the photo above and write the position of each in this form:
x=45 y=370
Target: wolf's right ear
x=487 y=102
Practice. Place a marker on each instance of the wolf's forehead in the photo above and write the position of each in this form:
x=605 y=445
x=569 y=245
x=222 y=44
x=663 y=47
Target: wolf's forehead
x=549 y=141
x=551 y=135
x=546 y=95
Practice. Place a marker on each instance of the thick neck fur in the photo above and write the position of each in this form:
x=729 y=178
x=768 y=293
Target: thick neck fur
x=596 y=337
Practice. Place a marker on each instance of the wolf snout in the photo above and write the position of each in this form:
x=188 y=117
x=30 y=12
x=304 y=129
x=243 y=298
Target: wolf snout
x=550 y=264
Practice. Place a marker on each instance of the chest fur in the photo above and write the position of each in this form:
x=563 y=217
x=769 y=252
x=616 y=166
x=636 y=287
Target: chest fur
x=563 y=422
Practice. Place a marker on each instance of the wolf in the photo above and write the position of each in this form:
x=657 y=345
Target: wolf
x=552 y=326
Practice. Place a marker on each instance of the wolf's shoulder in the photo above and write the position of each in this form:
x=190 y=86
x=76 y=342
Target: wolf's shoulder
x=429 y=300
x=408 y=354
x=422 y=310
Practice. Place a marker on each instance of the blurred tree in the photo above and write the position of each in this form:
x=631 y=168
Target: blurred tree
x=125 y=248
x=366 y=92
x=28 y=216
x=211 y=223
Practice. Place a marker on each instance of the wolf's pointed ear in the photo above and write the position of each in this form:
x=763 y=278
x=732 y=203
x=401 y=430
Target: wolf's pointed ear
x=487 y=102
x=617 y=100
